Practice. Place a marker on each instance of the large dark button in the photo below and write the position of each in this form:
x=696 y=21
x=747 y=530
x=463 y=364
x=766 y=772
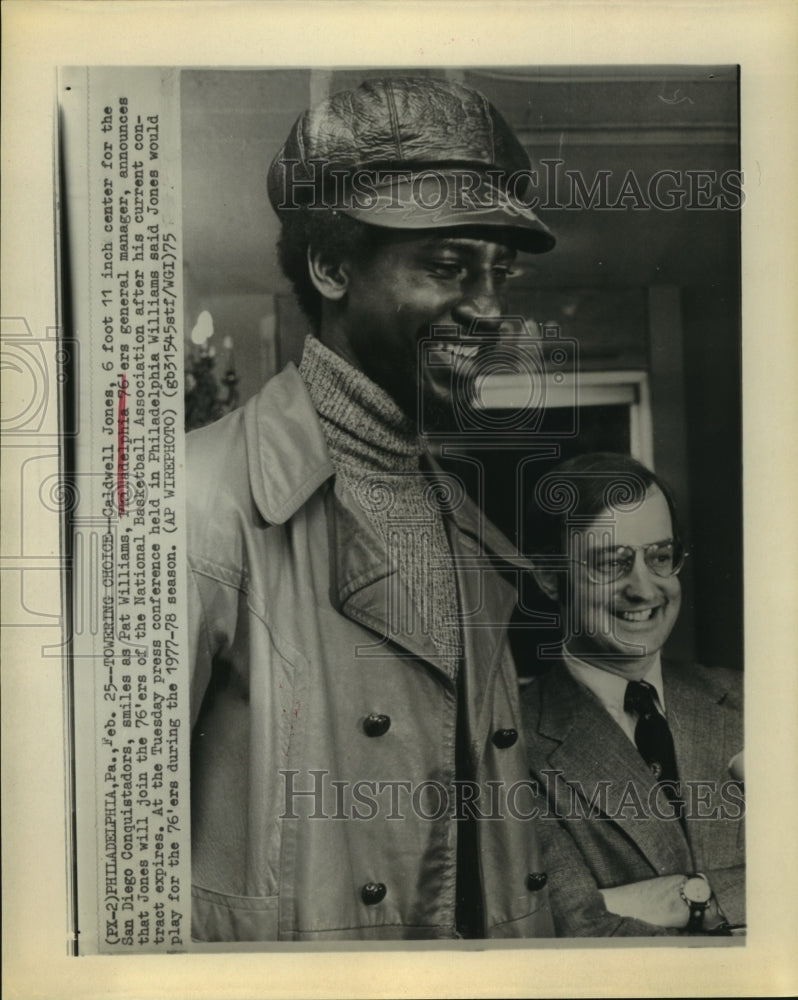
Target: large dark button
x=536 y=880
x=504 y=738
x=376 y=725
x=373 y=893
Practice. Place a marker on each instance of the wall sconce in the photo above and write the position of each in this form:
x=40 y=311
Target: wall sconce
x=205 y=398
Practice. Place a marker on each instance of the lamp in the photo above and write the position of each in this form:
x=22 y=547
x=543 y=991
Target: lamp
x=206 y=400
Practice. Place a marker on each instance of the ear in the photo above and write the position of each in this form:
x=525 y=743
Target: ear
x=546 y=580
x=329 y=277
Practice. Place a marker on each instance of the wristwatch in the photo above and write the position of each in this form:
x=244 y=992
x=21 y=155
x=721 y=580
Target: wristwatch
x=696 y=892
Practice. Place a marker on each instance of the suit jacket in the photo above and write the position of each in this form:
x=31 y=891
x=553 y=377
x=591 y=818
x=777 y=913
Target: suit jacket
x=579 y=755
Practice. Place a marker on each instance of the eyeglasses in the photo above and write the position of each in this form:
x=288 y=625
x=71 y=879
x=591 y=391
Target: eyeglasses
x=610 y=565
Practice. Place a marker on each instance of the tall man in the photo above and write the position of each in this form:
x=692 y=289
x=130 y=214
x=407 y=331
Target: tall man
x=351 y=676
x=638 y=757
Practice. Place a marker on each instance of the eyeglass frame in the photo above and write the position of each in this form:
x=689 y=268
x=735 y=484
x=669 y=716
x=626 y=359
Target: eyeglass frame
x=676 y=543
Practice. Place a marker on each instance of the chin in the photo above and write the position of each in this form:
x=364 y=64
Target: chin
x=628 y=656
x=636 y=649
x=652 y=642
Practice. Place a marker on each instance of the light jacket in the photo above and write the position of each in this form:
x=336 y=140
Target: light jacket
x=295 y=672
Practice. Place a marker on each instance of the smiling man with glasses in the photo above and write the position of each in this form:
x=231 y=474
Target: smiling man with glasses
x=633 y=753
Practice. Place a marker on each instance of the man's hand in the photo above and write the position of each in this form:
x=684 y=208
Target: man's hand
x=657 y=901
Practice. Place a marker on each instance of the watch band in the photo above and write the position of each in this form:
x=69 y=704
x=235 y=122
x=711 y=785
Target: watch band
x=696 y=921
x=697 y=897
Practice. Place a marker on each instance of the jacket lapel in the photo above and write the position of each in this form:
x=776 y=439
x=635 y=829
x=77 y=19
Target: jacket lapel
x=600 y=764
x=488 y=569
x=369 y=590
x=698 y=723
x=486 y=604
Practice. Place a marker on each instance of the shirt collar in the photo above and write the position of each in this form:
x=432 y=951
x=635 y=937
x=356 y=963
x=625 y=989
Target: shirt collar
x=610 y=688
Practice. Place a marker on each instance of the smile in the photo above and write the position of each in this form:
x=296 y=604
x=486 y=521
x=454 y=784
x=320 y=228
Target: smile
x=638 y=616
x=456 y=351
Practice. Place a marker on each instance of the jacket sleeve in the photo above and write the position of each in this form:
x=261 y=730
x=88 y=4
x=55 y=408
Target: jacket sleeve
x=576 y=902
x=199 y=649
x=728 y=885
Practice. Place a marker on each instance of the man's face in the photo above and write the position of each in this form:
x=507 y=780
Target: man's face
x=621 y=626
x=415 y=281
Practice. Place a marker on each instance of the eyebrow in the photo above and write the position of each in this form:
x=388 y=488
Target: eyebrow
x=615 y=548
x=466 y=245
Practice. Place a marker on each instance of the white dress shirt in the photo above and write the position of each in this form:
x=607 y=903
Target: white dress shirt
x=610 y=689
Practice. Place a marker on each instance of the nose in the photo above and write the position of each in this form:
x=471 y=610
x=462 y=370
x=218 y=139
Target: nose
x=480 y=310
x=641 y=584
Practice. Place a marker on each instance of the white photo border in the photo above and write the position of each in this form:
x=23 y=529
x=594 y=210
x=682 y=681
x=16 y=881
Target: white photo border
x=761 y=37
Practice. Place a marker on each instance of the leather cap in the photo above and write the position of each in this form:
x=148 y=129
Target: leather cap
x=410 y=153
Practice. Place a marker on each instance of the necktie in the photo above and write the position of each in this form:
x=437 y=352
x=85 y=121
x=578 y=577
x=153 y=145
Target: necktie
x=653 y=736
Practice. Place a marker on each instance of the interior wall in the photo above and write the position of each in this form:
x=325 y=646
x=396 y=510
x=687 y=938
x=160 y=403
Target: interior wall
x=669 y=426
x=234 y=123
x=712 y=370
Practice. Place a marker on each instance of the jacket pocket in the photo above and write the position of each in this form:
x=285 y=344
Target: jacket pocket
x=217 y=916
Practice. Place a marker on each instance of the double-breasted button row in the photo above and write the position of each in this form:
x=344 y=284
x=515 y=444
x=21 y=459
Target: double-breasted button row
x=376 y=725
x=374 y=892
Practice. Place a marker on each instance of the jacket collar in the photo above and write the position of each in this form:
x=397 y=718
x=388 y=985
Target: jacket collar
x=289 y=460
x=286 y=451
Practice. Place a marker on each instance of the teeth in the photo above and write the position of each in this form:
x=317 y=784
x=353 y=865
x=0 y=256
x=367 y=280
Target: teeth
x=457 y=351
x=637 y=616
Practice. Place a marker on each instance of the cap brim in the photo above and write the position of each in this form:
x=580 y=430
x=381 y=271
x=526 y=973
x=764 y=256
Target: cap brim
x=430 y=201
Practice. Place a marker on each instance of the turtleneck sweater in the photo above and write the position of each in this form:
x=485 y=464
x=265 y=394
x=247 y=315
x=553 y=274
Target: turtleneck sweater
x=376 y=453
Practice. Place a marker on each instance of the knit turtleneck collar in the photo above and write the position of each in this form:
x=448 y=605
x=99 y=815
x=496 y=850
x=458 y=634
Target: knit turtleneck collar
x=371 y=442
x=364 y=427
